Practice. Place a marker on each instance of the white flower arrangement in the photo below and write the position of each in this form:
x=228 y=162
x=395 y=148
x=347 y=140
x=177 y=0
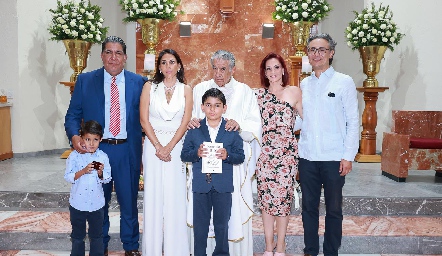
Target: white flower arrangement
x=373 y=27
x=301 y=10
x=141 y=9
x=77 y=20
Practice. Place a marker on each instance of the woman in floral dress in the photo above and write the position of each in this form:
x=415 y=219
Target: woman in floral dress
x=277 y=164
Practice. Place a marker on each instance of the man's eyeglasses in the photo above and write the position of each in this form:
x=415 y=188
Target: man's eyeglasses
x=321 y=50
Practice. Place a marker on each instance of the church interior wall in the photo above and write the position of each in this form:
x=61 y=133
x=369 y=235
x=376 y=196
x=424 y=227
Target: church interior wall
x=32 y=65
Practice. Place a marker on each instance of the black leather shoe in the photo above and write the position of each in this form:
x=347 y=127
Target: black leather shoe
x=132 y=253
x=106 y=252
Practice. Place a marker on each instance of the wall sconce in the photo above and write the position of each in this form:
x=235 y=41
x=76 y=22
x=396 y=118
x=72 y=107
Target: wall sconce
x=226 y=8
x=268 y=30
x=185 y=30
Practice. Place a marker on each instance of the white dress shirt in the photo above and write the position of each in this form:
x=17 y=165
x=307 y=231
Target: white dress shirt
x=213 y=131
x=87 y=191
x=330 y=126
x=120 y=80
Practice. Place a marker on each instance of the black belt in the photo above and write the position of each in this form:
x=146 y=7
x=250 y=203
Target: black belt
x=114 y=141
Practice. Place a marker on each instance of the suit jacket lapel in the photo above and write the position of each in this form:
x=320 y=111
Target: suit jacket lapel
x=221 y=131
x=205 y=130
x=128 y=87
x=99 y=91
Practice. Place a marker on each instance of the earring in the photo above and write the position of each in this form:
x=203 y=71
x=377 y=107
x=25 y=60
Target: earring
x=161 y=72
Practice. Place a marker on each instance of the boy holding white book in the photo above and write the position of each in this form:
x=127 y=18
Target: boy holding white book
x=213 y=151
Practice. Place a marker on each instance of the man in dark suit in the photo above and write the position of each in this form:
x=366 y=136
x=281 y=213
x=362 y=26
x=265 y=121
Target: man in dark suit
x=111 y=96
x=212 y=190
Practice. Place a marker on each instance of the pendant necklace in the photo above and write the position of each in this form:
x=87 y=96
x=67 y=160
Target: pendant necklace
x=169 y=91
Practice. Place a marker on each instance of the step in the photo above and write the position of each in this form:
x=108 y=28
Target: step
x=49 y=230
x=119 y=253
x=352 y=205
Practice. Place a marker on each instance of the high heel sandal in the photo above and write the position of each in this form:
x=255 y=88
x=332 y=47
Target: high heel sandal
x=266 y=253
x=281 y=253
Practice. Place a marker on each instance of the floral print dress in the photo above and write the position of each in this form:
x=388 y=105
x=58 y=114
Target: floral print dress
x=277 y=164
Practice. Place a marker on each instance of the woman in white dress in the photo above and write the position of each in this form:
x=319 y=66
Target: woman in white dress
x=165 y=109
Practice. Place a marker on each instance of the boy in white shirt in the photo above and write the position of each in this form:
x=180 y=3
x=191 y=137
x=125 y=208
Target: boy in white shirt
x=87 y=172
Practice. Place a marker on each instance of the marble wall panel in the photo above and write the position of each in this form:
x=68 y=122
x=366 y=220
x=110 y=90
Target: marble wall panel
x=240 y=34
x=425 y=159
x=395 y=154
x=425 y=124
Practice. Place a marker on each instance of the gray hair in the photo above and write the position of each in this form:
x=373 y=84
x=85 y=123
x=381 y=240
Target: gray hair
x=224 y=55
x=332 y=43
x=113 y=39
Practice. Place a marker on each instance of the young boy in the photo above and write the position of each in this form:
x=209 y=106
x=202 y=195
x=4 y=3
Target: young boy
x=87 y=172
x=212 y=190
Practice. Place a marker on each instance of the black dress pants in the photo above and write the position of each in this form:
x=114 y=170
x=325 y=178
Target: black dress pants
x=313 y=176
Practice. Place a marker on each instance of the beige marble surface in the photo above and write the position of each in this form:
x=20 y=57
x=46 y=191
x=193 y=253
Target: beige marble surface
x=58 y=222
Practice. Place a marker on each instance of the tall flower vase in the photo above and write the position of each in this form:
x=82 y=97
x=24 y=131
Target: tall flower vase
x=78 y=51
x=371 y=60
x=150 y=33
x=300 y=32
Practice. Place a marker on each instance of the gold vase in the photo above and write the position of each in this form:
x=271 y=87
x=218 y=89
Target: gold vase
x=300 y=32
x=78 y=51
x=371 y=60
x=150 y=33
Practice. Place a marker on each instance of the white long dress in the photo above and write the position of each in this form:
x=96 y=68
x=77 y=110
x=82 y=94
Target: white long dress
x=165 y=182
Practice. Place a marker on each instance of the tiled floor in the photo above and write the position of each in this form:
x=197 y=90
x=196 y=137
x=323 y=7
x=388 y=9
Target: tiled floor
x=59 y=253
x=45 y=174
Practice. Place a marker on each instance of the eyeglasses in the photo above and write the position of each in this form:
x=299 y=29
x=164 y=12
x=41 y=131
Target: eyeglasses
x=313 y=50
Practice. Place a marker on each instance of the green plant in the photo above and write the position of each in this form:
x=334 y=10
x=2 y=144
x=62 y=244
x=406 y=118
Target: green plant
x=373 y=26
x=141 y=9
x=77 y=20
x=301 y=10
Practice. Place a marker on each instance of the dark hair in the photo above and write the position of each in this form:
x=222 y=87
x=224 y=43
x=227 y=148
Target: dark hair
x=159 y=77
x=215 y=93
x=331 y=43
x=262 y=70
x=113 y=39
x=91 y=127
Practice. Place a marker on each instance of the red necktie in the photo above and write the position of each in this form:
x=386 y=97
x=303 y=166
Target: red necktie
x=114 y=123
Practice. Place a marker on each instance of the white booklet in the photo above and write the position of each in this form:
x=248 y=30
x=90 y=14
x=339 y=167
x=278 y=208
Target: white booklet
x=211 y=164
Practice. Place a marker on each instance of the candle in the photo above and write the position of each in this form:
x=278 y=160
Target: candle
x=306 y=67
x=149 y=62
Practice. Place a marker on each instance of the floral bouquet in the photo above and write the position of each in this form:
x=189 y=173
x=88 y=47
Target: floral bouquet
x=373 y=27
x=141 y=9
x=301 y=10
x=77 y=20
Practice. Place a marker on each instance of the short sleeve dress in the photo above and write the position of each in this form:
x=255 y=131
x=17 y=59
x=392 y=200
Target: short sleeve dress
x=277 y=164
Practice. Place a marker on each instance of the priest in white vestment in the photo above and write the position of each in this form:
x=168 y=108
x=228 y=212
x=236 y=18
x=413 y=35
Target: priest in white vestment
x=243 y=114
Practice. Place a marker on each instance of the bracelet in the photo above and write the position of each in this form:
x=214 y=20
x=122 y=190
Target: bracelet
x=156 y=143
